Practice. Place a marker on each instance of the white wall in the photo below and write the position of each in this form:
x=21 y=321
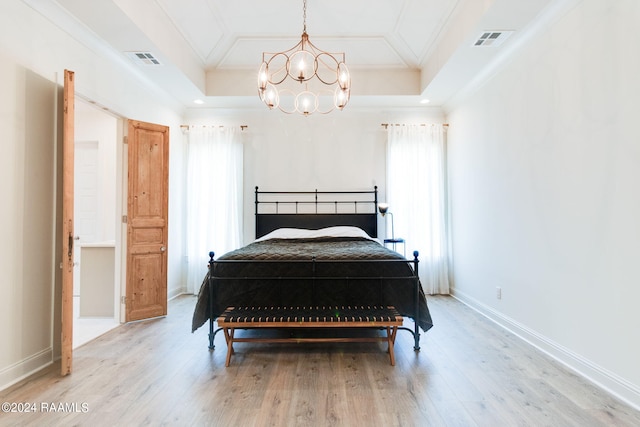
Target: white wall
x=344 y=150
x=544 y=169
x=33 y=55
x=27 y=183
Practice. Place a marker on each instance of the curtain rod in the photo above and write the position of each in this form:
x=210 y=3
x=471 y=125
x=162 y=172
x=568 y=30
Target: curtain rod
x=185 y=128
x=385 y=125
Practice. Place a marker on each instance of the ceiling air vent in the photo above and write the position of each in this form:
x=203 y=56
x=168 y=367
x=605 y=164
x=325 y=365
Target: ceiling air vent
x=492 y=38
x=143 y=58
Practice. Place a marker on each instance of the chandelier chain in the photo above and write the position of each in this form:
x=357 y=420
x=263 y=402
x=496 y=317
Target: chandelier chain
x=304 y=16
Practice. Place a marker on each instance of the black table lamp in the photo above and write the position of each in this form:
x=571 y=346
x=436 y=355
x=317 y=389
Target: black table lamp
x=384 y=210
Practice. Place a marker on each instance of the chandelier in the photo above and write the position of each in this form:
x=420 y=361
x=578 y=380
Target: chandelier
x=304 y=79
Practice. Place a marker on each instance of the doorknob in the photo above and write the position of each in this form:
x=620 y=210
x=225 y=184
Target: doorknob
x=162 y=249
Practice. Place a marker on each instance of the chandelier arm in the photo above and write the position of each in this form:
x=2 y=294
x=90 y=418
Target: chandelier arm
x=268 y=75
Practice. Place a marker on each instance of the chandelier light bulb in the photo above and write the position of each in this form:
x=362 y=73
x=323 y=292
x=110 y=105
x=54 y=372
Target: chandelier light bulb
x=344 y=81
x=271 y=98
x=262 y=85
x=341 y=99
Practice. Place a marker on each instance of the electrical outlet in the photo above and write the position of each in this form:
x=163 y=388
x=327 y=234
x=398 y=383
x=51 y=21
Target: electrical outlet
x=498 y=292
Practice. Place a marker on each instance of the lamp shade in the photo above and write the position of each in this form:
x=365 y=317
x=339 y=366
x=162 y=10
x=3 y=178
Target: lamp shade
x=383 y=208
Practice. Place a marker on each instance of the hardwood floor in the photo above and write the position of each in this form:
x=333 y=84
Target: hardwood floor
x=469 y=372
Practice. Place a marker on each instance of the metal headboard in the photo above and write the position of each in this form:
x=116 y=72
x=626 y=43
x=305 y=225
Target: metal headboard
x=316 y=209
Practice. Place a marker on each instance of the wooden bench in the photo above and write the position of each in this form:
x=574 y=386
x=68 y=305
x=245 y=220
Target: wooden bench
x=310 y=317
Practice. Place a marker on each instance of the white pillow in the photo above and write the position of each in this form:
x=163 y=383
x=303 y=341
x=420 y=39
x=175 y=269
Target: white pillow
x=300 y=233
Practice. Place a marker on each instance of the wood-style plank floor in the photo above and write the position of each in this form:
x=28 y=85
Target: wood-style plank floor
x=469 y=372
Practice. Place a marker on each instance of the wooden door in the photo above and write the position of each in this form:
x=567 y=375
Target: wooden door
x=147 y=220
x=67 y=222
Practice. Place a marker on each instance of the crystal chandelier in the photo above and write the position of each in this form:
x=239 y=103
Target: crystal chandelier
x=304 y=79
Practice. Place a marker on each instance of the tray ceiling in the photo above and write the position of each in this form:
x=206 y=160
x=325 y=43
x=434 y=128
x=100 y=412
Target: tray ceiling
x=399 y=51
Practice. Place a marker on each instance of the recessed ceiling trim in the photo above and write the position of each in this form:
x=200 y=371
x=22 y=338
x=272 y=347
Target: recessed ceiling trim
x=361 y=52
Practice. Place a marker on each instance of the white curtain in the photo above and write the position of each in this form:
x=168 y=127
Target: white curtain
x=213 y=197
x=417 y=197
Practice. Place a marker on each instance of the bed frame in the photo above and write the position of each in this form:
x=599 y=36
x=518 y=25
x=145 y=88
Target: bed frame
x=314 y=210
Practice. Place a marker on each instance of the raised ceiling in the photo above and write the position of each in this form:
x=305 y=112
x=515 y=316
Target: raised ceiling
x=398 y=51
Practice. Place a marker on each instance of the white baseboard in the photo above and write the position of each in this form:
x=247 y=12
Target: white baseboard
x=612 y=383
x=173 y=293
x=24 y=368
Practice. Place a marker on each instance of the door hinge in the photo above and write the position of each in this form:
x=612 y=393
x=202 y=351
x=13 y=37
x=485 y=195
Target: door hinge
x=123 y=300
x=124 y=219
x=125 y=139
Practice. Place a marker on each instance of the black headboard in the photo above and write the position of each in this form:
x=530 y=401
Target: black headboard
x=316 y=209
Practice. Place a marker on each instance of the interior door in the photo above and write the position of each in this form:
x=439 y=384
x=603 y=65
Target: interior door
x=67 y=222
x=147 y=220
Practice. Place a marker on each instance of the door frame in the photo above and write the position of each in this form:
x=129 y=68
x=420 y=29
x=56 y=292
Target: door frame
x=68 y=243
x=122 y=184
x=120 y=235
x=120 y=177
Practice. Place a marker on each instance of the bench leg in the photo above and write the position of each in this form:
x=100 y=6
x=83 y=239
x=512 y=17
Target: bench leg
x=391 y=337
x=228 y=335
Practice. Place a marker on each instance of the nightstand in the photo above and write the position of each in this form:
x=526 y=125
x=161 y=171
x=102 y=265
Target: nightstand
x=397 y=241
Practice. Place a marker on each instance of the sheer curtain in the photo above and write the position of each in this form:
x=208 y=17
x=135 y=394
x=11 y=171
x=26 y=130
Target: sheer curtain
x=214 y=197
x=417 y=197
